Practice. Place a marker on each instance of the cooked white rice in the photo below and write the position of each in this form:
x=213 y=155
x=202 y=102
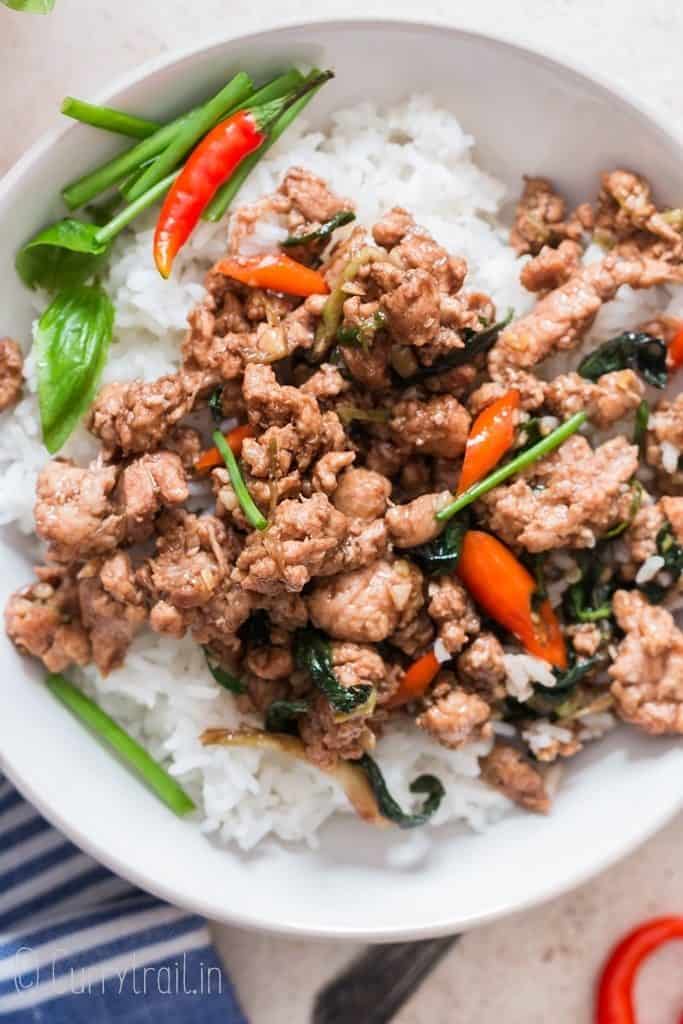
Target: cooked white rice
x=165 y=695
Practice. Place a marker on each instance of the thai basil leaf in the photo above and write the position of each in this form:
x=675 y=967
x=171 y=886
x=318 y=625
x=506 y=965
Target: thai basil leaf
x=428 y=784
x=633 y=350
x=672 y=553
x=531 y=433
x=640 y=426
x=440 y=556
x=62 y=256
x=323 y=232
x=476 y=344
x=314 y=654
x=570 y=676
x=216 y=406
x=225 y=679
x=282 y=715
x=72 y=341
x=590 y=598
x=362 y=335
x=30 y=6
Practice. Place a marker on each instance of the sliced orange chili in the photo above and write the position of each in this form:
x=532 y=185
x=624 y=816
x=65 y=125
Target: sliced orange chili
x=674 y=355
x=491 y=436
x=614 y=1002
x=416 y=679
x=275 y=272
x=212 y=458
x=504 y=589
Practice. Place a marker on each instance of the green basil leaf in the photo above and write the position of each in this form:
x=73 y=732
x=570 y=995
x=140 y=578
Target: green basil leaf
x=72 y=342
x=589 y=599
x=672 y=553
x=428 y=784
x=282 y=715
x=476 y=343
x=62 y=256
x=225 y=679
x=640 y=426
x=633 y=350
x=314 y=654
x=216 y=406
x=322 y=233
x=440 y=556
x=30 y=6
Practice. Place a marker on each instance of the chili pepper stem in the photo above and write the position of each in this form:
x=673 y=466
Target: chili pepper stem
x=266 y=115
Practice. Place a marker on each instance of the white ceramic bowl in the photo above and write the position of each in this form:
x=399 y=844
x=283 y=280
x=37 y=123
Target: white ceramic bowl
x=529 y=114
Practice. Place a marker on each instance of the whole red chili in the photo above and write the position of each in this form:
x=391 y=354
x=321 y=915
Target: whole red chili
x=614 y=1003
x=210 y=165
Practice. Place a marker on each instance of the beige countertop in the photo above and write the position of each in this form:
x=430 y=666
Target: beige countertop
x=537 y=967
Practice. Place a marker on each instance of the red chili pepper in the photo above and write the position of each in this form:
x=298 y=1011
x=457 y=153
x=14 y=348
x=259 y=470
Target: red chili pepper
x=212 y=458
x=491 y=436
x=675 y=353
x=614 y=1003
x=276 y=272
x=415 y=680
x=505 y=589
x=209 y=166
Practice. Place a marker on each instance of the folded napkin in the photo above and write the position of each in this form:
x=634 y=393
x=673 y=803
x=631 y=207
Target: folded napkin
x=80 y=946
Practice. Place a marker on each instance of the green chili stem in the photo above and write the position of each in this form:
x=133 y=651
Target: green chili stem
x=230 y=97
x=524 y=459
x=166 y=788
x=109 y=119
x=225 y=195
x=253 y=514
x=131 y=211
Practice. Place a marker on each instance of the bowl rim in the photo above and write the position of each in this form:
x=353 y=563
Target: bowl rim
x=544 y=54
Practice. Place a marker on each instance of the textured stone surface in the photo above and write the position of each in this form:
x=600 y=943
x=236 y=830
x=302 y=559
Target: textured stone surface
x=538 y=967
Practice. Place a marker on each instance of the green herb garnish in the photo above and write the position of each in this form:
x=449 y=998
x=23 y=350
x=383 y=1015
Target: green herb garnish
x=589 y=599
x=440 y=556
x=362 y=335
x=322 y=233
x=165 y=787
x=672 y=553
x=476 y=344
x=314 y=654
x=515 y=465
x=282 y=715
x=225 y=679
x=253 y=514
x=427 y=784
x=640 y=426
x=72 y=341
x=61 y=256
x=216 y=405
x=633 y=350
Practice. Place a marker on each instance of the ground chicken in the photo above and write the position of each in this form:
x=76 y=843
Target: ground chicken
x=362 y=494
x=136 y=416
x=481 y=667
x=392 y=227
x=326 y=383
x=647 y=672
x=570 y=498
x=437 y=427
x=367 y=605
x=147 y=485
x=549 y=740
x=586 y=638
x=326 y=739
x=453 y=612
x=506 y=769
x=606 y=400
x=664 y=440
x=551 y=268
x=370 y=367
x=625 y=208
x=561 y=319
x=456 y=717
x=311 y=195
x=291 y=420
x=539 y=218
x=412 y=309
x=641 y=536
x=416 y=523
x=416 y=636
x=326 y=471
x=270 y=661
x=43 y=619
x=11 y=373
x=112 y=608
x=531 y=391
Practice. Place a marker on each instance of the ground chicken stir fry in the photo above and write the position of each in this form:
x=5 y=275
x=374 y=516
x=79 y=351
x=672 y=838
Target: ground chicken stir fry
x=321 y=567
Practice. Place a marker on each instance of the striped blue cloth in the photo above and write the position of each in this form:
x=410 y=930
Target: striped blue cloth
x=80 y=946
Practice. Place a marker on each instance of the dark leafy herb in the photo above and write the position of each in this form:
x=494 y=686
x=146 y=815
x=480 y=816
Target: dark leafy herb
x=530 y=433
x=573 y=674
x=640 y=425
x=323 y=232
x=314 y=654
x=362 y=335
x=589 y=599
x=62 y=256
x=225 y=679
x=440 y=556
x=672 y=553
x=428 y=784
x=72 y=342
x=216 y=406
x=633 y=350
x=476 y=344
x=348 y=413
x=282 y=715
